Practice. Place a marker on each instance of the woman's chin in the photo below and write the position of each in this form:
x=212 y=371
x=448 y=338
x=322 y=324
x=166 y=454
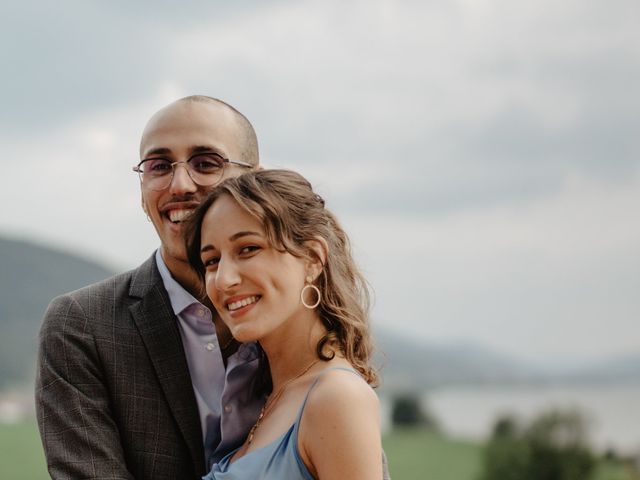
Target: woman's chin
x=243 y=335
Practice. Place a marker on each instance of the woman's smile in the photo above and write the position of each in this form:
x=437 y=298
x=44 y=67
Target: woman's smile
x=238 y=306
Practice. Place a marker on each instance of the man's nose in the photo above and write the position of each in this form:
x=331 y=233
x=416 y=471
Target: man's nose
x=181 y=182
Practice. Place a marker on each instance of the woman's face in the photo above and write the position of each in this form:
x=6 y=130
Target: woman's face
x=254 y=288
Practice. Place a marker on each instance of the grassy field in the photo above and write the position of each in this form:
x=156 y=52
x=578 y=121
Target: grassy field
x=21 y=456
x=420 y=455
x=413 y=455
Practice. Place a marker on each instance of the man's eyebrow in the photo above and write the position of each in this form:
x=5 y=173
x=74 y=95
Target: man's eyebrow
x=206 y=149
x=201 y=148
x=192 y=150
x=158 y=151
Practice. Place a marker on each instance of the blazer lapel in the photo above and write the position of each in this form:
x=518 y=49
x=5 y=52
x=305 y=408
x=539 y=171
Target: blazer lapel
x=159 y=331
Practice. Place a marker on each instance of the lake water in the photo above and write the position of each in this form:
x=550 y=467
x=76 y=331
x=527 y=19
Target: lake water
x=613 y=411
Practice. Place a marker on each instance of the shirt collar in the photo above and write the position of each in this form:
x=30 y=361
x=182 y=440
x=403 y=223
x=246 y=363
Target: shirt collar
x=180 y=299
x=247 y=351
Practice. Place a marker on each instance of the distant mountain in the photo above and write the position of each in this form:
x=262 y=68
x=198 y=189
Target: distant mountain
x=411 y=365
x=30 y=276
x=623 y=368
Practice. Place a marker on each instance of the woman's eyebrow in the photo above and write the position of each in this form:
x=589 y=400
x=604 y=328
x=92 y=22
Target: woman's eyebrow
x=206 y=248
x=238 y=235
x=232 y=238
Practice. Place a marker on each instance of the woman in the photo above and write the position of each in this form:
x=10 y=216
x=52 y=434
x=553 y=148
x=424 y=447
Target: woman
x=278 y=269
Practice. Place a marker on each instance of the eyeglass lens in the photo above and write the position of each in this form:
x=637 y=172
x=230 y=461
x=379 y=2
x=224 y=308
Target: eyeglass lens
x=204 y=170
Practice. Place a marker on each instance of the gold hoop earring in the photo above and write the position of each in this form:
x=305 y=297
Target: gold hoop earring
x=315 y=289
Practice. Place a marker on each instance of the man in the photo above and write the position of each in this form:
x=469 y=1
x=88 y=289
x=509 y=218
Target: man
x=135 y=377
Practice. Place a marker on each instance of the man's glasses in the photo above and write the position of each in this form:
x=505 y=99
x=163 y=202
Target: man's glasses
x=205 y=169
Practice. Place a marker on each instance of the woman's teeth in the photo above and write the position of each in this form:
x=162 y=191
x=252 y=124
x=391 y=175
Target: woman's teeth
x=242 y=303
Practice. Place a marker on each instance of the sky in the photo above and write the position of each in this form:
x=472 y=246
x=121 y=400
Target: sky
x=482 y=154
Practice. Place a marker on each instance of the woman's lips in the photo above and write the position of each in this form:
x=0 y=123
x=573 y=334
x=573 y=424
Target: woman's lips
x=237 y=304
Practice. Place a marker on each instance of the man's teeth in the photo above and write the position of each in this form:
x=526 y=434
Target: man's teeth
x=242 y=303
x=179 y=215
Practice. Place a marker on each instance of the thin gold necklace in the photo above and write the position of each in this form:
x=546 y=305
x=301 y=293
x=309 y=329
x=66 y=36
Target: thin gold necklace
x=271 y=401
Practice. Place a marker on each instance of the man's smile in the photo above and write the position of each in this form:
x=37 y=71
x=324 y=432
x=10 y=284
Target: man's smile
x=177 y=212
x=177 y=216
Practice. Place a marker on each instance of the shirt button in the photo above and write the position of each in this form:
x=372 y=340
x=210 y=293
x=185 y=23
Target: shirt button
x=210 y=346
x=227 y=408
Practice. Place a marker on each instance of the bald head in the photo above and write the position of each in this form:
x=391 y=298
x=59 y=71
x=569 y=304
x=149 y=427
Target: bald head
x=212 y=110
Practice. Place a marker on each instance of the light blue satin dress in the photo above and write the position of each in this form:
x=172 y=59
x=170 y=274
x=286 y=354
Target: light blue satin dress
x=279 y=460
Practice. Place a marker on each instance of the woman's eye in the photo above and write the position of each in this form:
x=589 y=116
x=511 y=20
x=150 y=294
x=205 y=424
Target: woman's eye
x=249 y=249
x=211 y=262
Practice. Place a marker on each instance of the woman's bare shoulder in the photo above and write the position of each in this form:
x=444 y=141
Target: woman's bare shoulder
x=341 y=398
x=340 y=428
x=341 y=387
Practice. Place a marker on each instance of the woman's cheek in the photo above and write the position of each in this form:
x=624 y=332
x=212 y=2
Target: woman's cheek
x=210 y=286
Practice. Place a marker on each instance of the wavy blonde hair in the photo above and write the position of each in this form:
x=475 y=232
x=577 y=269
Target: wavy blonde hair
x=292 y=215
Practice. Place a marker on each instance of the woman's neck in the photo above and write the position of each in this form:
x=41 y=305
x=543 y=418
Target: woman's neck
x=292 y=352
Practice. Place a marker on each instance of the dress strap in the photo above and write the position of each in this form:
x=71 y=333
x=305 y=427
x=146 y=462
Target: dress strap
x=317 y=379
x=296 y=425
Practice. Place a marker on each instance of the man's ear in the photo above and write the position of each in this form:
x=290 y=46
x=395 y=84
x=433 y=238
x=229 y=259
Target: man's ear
x=143 y=205
x=319 y=252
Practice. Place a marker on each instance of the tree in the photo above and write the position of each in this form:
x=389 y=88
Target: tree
x=408 y=411
x=552 y=447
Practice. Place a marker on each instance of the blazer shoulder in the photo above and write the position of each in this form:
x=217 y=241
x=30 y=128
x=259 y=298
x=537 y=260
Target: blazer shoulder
x=111 y=287
x=106 y=299
x=136 y=283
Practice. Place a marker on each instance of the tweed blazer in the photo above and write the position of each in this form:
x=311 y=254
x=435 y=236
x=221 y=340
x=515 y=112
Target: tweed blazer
x=114 y=398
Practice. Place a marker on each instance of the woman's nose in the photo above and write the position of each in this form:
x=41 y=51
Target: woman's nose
x=227 y=275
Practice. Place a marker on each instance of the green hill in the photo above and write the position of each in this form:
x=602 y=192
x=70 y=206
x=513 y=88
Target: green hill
x=30 y=276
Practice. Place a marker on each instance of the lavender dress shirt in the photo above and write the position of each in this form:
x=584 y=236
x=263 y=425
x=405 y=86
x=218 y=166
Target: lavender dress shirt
x=225 y=403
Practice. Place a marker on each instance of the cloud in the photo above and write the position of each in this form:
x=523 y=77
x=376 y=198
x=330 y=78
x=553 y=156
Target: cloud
x=553 y=275
x=66 y=58
x=484 y=153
